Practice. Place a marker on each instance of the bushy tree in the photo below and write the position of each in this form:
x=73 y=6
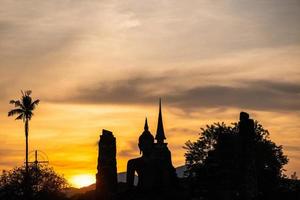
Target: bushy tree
x=215 y=158
x=43 y=183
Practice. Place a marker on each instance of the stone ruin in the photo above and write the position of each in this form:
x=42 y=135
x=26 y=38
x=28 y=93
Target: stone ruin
x=156 y=174
x=106 y=177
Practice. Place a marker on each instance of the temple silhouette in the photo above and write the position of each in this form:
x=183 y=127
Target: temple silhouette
x=156 y=174
x=232 y=170
x=157 y=178
x=154 y=168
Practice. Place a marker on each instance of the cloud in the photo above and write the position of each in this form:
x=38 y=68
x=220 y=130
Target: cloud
x=57 y=44
x=292 y=148
x=9 y=156
x=130 y=151
x=255 y=95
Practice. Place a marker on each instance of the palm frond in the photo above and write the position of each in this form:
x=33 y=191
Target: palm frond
x=20 y=117
x=12 y=101
x=15 y=111
x=35 y=103
x=28 y=92
x=19 y=104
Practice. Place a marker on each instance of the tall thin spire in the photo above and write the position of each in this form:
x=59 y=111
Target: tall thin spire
x=146 y=127
x=160 y=133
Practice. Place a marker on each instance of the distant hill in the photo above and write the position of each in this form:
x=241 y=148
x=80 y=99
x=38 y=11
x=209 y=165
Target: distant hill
x=73 y=191
x=121 y=178
x=180 y=171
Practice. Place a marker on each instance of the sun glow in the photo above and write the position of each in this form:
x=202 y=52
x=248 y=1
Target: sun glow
x=83 y=180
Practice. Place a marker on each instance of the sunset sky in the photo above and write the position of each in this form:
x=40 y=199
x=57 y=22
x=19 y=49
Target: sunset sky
x=103 y=64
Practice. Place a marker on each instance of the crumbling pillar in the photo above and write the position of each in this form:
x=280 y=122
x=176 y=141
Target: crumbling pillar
x=249 y=190
x=106 y=177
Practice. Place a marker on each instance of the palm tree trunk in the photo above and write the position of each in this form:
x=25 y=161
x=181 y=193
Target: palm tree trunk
x=26 y=136
x=26 y=194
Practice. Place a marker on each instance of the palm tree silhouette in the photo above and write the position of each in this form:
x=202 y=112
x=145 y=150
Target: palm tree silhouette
x=24 y=109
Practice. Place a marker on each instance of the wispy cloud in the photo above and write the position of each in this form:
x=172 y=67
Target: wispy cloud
x=254 y=95
x=295 y=149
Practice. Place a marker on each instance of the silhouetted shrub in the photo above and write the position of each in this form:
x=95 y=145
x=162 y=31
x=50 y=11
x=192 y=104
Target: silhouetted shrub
x=43 y=184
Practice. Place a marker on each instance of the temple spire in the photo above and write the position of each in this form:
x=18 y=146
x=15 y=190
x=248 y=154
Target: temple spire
x=146 y=127
x=160 y=133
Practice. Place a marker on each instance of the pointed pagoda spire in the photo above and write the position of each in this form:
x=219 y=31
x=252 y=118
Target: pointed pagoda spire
x=160 y=133
x=146 y=127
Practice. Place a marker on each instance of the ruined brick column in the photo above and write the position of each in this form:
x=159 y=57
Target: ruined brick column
x=106 y=178
x=249 y=178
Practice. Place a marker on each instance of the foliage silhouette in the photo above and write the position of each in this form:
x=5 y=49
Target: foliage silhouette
x=214 y=161
x=44 y=183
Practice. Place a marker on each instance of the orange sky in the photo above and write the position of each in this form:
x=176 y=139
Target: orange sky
x=104 y=64
x=69 y=133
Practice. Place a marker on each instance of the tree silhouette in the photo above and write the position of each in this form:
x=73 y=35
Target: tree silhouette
x=214 y=161
x=24 y=109
x=44 y=183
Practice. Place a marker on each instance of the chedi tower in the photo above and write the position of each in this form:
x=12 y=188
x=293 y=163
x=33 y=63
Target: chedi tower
x=156 y=174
